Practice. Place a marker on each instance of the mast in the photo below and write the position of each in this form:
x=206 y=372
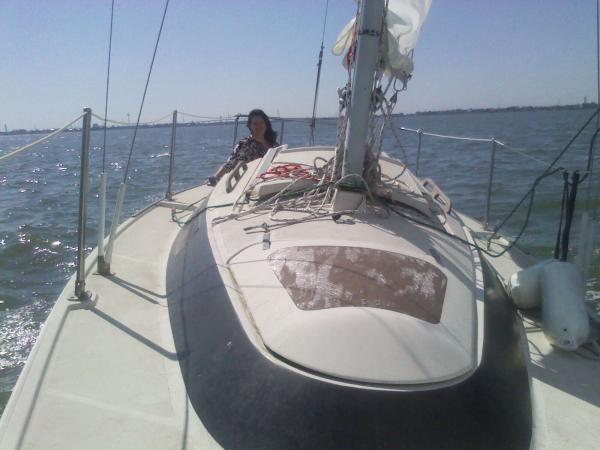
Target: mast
x=367 y=57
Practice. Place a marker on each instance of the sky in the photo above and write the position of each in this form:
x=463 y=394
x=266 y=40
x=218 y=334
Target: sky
x=219 y=58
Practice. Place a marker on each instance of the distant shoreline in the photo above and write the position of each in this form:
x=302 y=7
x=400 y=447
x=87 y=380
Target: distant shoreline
x=579 y=106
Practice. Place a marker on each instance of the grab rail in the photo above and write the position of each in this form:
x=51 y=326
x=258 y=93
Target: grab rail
x=438 y=195
x=237 y=173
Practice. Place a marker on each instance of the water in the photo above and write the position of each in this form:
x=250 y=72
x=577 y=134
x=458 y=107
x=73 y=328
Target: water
x=39 y=194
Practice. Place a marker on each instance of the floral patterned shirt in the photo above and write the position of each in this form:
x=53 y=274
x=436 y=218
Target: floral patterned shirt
x=246 y=150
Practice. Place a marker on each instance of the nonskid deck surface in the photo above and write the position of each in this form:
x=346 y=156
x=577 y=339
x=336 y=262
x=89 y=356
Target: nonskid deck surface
x=107 y=375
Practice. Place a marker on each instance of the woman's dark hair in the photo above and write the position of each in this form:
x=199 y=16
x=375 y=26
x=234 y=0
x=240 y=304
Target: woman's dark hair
x=270 y=134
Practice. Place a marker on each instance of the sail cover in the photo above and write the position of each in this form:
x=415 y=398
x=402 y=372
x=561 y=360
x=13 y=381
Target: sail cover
x=403 y=21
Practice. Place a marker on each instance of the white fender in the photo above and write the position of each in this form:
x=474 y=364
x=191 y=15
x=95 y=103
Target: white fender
x=525 y=286
x=564 y=316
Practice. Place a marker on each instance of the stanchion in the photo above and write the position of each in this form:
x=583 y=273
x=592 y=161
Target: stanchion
x=486 y=218
x=80 y=292
x=169 y=194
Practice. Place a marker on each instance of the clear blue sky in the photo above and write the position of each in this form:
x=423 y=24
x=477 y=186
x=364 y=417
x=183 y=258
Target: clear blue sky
x=224 y=57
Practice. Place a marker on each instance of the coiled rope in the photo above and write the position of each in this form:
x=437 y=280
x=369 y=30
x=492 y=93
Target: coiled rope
x=282 y=171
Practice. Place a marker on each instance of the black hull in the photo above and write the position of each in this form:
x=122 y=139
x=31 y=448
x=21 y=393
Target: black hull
x=247 y=402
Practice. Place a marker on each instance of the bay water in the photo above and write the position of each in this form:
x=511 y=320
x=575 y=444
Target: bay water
x=39 y=193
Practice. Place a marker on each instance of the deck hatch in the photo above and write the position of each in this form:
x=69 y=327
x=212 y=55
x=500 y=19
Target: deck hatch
x=322 y=277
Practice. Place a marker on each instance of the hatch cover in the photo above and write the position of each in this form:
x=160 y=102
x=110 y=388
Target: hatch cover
x=322 y=277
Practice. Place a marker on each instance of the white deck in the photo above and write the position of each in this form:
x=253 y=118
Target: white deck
x=108 y=376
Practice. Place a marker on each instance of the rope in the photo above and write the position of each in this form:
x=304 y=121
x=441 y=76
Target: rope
x=116 y=122
x=237 y=116
x=206 y=117
x=444 y=232
x=112 y=9
x=40 y=140
x=446 y=136
x=195 y=214
x=285 y=200
x=145 y=91
x=462 y=138
x=286 y=171
x=387 y=118
x=259 y=206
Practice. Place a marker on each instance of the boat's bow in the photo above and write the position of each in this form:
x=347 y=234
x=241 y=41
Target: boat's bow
x=287 y=319
x=375 y=299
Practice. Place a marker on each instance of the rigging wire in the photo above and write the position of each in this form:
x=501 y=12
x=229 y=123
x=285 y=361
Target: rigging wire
x=589 y=167
x=314 y=111
x=112 y=9
x=563 y=201
x=569 y=211
x=546 y=172
x=598 y=57
x=123 y=186
x=589 y=196
x=145 y=91
x=514 y=241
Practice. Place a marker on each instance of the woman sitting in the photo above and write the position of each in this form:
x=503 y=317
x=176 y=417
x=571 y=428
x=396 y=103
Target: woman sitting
x=262 y=138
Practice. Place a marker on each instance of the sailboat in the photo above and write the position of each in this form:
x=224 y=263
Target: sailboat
x=319 y=297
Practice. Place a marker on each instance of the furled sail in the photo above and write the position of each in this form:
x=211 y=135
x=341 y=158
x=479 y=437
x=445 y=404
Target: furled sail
x=403 y=23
